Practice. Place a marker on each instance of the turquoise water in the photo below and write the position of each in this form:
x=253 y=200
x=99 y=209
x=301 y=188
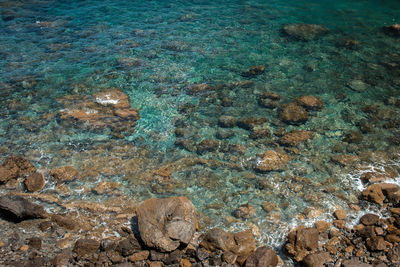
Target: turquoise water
x=50 y=50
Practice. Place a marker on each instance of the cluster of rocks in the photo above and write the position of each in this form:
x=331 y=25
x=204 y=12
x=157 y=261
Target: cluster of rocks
x=109 y=108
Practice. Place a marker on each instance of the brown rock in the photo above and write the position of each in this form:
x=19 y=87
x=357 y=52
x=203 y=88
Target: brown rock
x=16 y=208
x=376 y=243
x=322 y=226
x=34 y=182
x=345 y=160
x=15 y=166
x=64 y=221
x=35 y=242
x=310 y=102
x=262 y=257
x=128 y=246
x=301 y=242
x=374 y=194
x=207 y=146
x=139 y=256
x=254 y=71
x=317 y=259
x=392 y=238
x=155 y=264
x=199 y=88
x=272 y=161
x=7 y=174
x=185 y=263
x=354 y=263
x=167 y=223
x=113 y=97
x=295 y=137
x=268 y=206
x=245 y=211
x=369 y=219
x=305 y=32
x=292 y=113
x=340 y=214
x=339 y=224
x=64 y=174
x=105 y=187
x=373 y=177
x=86 y=246
x=250 y=122
x=227 y=121
x=130 y=113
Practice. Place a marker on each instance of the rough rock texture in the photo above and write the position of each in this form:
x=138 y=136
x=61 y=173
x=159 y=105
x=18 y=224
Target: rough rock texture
x=14 y=167
x=34 y=182
x=302 y=242
x=317 y=259
x=369 y=219
x=377 y=192
x=293 y=113
x=241 y=244
x=310 y=102
x=305 y=32
x=199 y=88
x=272 y=161
x=262 y=257
x=167 y=223
x=64 y=174
x=209 y=145
x=355 y=263
x=295 y=137
x=254 y=71
x=245 y=211
x=86 y=246
x=16 y=208
x=112 y=97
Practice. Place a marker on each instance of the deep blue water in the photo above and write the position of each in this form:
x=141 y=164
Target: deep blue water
x=53 y=49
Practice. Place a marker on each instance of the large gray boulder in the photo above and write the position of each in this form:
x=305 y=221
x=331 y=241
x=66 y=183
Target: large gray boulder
x=166 y=223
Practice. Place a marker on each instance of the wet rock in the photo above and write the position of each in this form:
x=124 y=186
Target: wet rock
x=369 y=219
x=113 y=97
x=268 y=206
x=245 y=211
x=64 y=221
x=14 y=167
x=305 y=32
x=271 y=95
x=207 y=146
x=354 y=263
x=128 y=113
x=84 y=247
x=224 y=134
x=250 y=122
x=295 y=137
x=16 y=208
x=254 y=71
x=317 y=259
x=357 y=85
x=35 y=242
x=322 y=226
x=373 y=177
x=292 y=113
x=128 y=246
x=260 y=133
x=392 y=30
x=345 y=160
x=377 y=192
x=167 y=223
x=227 y=121
x=34 y=182
x=268 y=103
x=353 y=137
x=272 y=161
x=394 y=254
x=105 y=187
x=241 y=244
x=64 y=174
x=340 y=214
x=310 y=102
x=302 y=242
x=262 y=257
x=376 y=243
x=139 y=256
x=199 y=88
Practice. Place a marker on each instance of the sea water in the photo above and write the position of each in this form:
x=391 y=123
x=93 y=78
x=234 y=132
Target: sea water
x=50 y=50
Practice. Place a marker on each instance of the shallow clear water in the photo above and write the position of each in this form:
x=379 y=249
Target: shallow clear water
x=53 y=49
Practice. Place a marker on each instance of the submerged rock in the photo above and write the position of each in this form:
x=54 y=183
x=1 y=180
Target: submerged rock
x=293 y=113
x=272 y=161
x=167 y=223
x=245 y=211
x=199 y=88
x=310 y=102
x=393 y=30
x=112 y=97
x=305 y=32
x=64 y=174
x=16 y=208
x=34 y=182
x=207 y=146
x=295 y=137
x=14 y=167
x=254 y=71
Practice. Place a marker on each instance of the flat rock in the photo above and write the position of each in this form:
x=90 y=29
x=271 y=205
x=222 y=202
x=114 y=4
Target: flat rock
x=272 y=161
x=310 y=102
x=64 y=174
x=293 y=113
x=355 y=263
x=317 y=259
x=167 y=223
x=262 y=257
x=16 y=208
x=86 y=246
x=305 y=32
x=113 y=97
x=295 y=137
x=369 y=219
x=34 y=182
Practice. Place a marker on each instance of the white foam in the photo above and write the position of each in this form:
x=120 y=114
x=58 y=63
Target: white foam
x=107 y=100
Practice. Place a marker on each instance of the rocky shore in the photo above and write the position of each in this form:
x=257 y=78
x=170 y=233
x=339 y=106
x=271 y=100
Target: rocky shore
x=166 y=232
